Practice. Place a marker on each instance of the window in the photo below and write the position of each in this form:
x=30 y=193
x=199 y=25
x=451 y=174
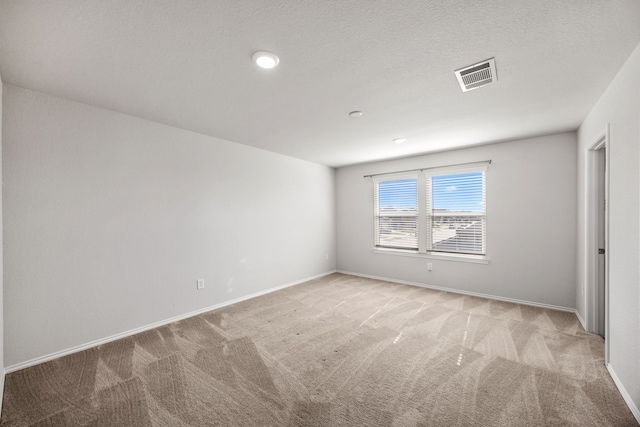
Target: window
x=433 y=211
x=396 y=216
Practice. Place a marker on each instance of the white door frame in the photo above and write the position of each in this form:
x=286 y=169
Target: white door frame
x=591 y=294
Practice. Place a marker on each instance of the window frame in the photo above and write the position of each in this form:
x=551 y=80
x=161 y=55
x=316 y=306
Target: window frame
x=425 y=211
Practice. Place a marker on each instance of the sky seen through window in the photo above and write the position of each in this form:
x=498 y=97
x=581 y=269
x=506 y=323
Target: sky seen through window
x=458 y=192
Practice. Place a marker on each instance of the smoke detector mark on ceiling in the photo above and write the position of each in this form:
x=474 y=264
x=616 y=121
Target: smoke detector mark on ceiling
x=477 y=75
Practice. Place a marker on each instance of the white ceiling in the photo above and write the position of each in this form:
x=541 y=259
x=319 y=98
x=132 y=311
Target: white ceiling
x=188 y=64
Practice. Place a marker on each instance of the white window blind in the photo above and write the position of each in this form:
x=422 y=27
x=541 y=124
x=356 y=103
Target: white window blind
x=432 y=211
x=396 y=213
x=456 y=213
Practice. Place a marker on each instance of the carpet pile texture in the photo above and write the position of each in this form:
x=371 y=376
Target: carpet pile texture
x=335 y=351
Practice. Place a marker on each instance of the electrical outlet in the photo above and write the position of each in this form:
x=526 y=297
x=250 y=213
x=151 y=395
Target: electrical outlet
x=326 y=256
x=429 y=266
x=200 y=284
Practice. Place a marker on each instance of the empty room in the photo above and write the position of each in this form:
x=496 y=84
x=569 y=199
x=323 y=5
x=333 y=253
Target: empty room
x=320 y=213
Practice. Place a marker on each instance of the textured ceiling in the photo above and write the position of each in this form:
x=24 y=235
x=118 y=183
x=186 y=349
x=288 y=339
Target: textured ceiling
x=188 y=64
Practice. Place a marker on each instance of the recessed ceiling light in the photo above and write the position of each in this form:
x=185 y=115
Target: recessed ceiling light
x=399 y=140
x=355 y=114
x=265 y=59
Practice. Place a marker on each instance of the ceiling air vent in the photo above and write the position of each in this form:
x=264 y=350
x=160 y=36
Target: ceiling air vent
x=477 y=75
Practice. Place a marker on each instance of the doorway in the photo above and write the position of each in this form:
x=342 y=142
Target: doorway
x=596 y=295
x=602 y=252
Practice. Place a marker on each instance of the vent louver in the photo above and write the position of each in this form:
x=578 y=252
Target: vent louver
x=477 y=75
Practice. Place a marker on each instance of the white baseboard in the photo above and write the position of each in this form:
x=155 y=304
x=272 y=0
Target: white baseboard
x=52 y=356
x=3 y=373
x=457 y=291
x=625 y=395
x=581 y=320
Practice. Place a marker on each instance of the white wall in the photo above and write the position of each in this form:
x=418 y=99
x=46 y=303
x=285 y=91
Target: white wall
x=620 y=107
x=531 y=211
x=109 y=221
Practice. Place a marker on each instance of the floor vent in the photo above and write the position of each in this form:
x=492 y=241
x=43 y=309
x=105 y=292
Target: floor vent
x=477 y=75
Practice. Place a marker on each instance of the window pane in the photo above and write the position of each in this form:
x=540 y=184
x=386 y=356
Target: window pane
x=397 y=214
x=457 y=215
x=458 y=193
x=398 y=232
x=400 y=195
x=458 y=234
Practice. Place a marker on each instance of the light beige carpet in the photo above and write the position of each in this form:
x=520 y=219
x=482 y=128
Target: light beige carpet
x=337 y=351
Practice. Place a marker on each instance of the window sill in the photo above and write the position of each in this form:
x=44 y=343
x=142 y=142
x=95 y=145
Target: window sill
x=474 y=259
